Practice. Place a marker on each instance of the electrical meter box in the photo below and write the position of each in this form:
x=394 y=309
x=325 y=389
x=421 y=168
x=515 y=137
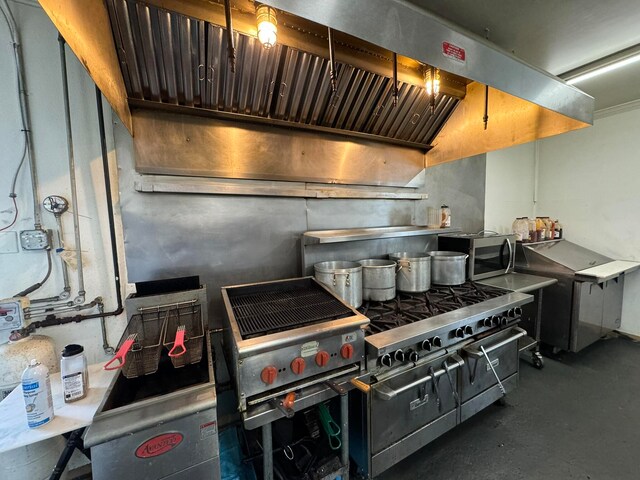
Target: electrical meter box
x=11 y=316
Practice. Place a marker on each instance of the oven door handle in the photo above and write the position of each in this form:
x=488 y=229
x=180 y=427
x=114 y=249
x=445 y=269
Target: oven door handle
x=387 y=393
x=476 y=353
x=510 y=255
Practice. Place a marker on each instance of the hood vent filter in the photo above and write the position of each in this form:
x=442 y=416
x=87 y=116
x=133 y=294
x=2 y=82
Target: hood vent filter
x=169 y=58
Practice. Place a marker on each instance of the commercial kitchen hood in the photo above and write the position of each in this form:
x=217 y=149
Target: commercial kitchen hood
x=172 y=55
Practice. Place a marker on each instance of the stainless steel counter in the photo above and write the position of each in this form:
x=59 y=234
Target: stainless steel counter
x=519 y=282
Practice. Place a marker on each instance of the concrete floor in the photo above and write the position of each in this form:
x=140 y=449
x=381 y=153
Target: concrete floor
x=578 y=418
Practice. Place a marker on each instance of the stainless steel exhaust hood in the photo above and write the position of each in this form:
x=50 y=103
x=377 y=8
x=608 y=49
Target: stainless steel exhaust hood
x=172 y=55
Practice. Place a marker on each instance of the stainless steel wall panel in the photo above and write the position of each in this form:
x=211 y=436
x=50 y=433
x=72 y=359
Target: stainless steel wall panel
x=337 y=214
x=200 y=146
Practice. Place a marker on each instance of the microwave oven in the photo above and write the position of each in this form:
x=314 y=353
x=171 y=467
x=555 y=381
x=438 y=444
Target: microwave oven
x=490 y=254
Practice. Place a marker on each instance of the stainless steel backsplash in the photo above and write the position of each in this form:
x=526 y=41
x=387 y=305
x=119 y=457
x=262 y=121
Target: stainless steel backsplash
x=228 y=240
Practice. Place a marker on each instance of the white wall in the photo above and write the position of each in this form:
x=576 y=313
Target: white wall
x=509 y=186
x=44 y=86
x=590 y=180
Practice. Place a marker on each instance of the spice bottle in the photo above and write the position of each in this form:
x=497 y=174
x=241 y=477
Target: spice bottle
x=36 y=389
x=73 y=370
x=533 y=234
x=445 y=216
x=515 y=228
x=541 y=231
x=558 y=230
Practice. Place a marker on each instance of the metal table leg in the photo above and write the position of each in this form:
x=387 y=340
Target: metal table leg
x=344 y=414
x=267 y=452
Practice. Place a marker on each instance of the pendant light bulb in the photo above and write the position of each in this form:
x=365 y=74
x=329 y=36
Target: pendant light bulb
x=267 y=26
x=432 y=81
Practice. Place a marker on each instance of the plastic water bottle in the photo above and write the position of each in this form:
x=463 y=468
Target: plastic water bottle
x=36 y=389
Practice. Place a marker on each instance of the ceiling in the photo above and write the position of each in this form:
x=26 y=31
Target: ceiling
x=557 y=36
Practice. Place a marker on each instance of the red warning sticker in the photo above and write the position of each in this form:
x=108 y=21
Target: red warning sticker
x=454 y=52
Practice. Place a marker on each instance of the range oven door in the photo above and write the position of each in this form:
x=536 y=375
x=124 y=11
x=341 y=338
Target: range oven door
x=491 y=256
x=479 y=379
x=411 y=409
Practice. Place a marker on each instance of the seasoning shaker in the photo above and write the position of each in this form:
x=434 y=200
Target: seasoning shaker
x=74 y=373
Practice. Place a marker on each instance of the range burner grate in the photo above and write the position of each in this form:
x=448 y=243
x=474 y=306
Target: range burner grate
x=408 y=308
x=280 y=309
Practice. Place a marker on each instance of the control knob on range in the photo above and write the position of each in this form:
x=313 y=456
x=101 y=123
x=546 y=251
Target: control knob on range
x=487 y=322
x=468 y=330
x=322 y=358
x=436 y=342
x=399 y=355
x=386 y=360
x=269 y=374
x=495 y=320
x=459 y=332
x=426 y=345
x=346 y=351
x=297 y=365
x=504 y=320
x=413 y=356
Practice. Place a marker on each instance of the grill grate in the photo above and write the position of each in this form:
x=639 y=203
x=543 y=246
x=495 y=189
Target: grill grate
x=266 y=312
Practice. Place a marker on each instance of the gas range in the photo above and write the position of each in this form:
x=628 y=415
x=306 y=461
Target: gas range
x=434 y=360
x=414 y=325
x=407 y=308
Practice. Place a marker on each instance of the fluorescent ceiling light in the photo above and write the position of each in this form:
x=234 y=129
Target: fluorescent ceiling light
x=607 y=68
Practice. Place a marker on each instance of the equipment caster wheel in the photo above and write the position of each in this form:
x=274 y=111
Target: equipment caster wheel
x=537 y=360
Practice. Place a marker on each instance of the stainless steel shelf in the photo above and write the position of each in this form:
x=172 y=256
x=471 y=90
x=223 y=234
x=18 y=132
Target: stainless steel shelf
x=355 y=234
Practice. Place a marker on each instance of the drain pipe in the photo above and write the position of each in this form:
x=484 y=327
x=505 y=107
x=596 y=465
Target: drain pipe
x=72 y=173
x=52 y=320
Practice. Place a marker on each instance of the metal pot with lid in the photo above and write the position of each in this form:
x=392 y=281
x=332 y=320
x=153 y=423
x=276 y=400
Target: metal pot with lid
x=378 y=279
x=448 y=268
x=343 y=278
x=414 y=272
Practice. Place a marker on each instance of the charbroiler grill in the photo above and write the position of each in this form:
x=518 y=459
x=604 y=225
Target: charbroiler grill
x=291 y=344
x=287 y=336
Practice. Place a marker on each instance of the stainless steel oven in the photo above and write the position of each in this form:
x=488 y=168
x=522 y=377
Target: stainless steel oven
x=490 y=254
